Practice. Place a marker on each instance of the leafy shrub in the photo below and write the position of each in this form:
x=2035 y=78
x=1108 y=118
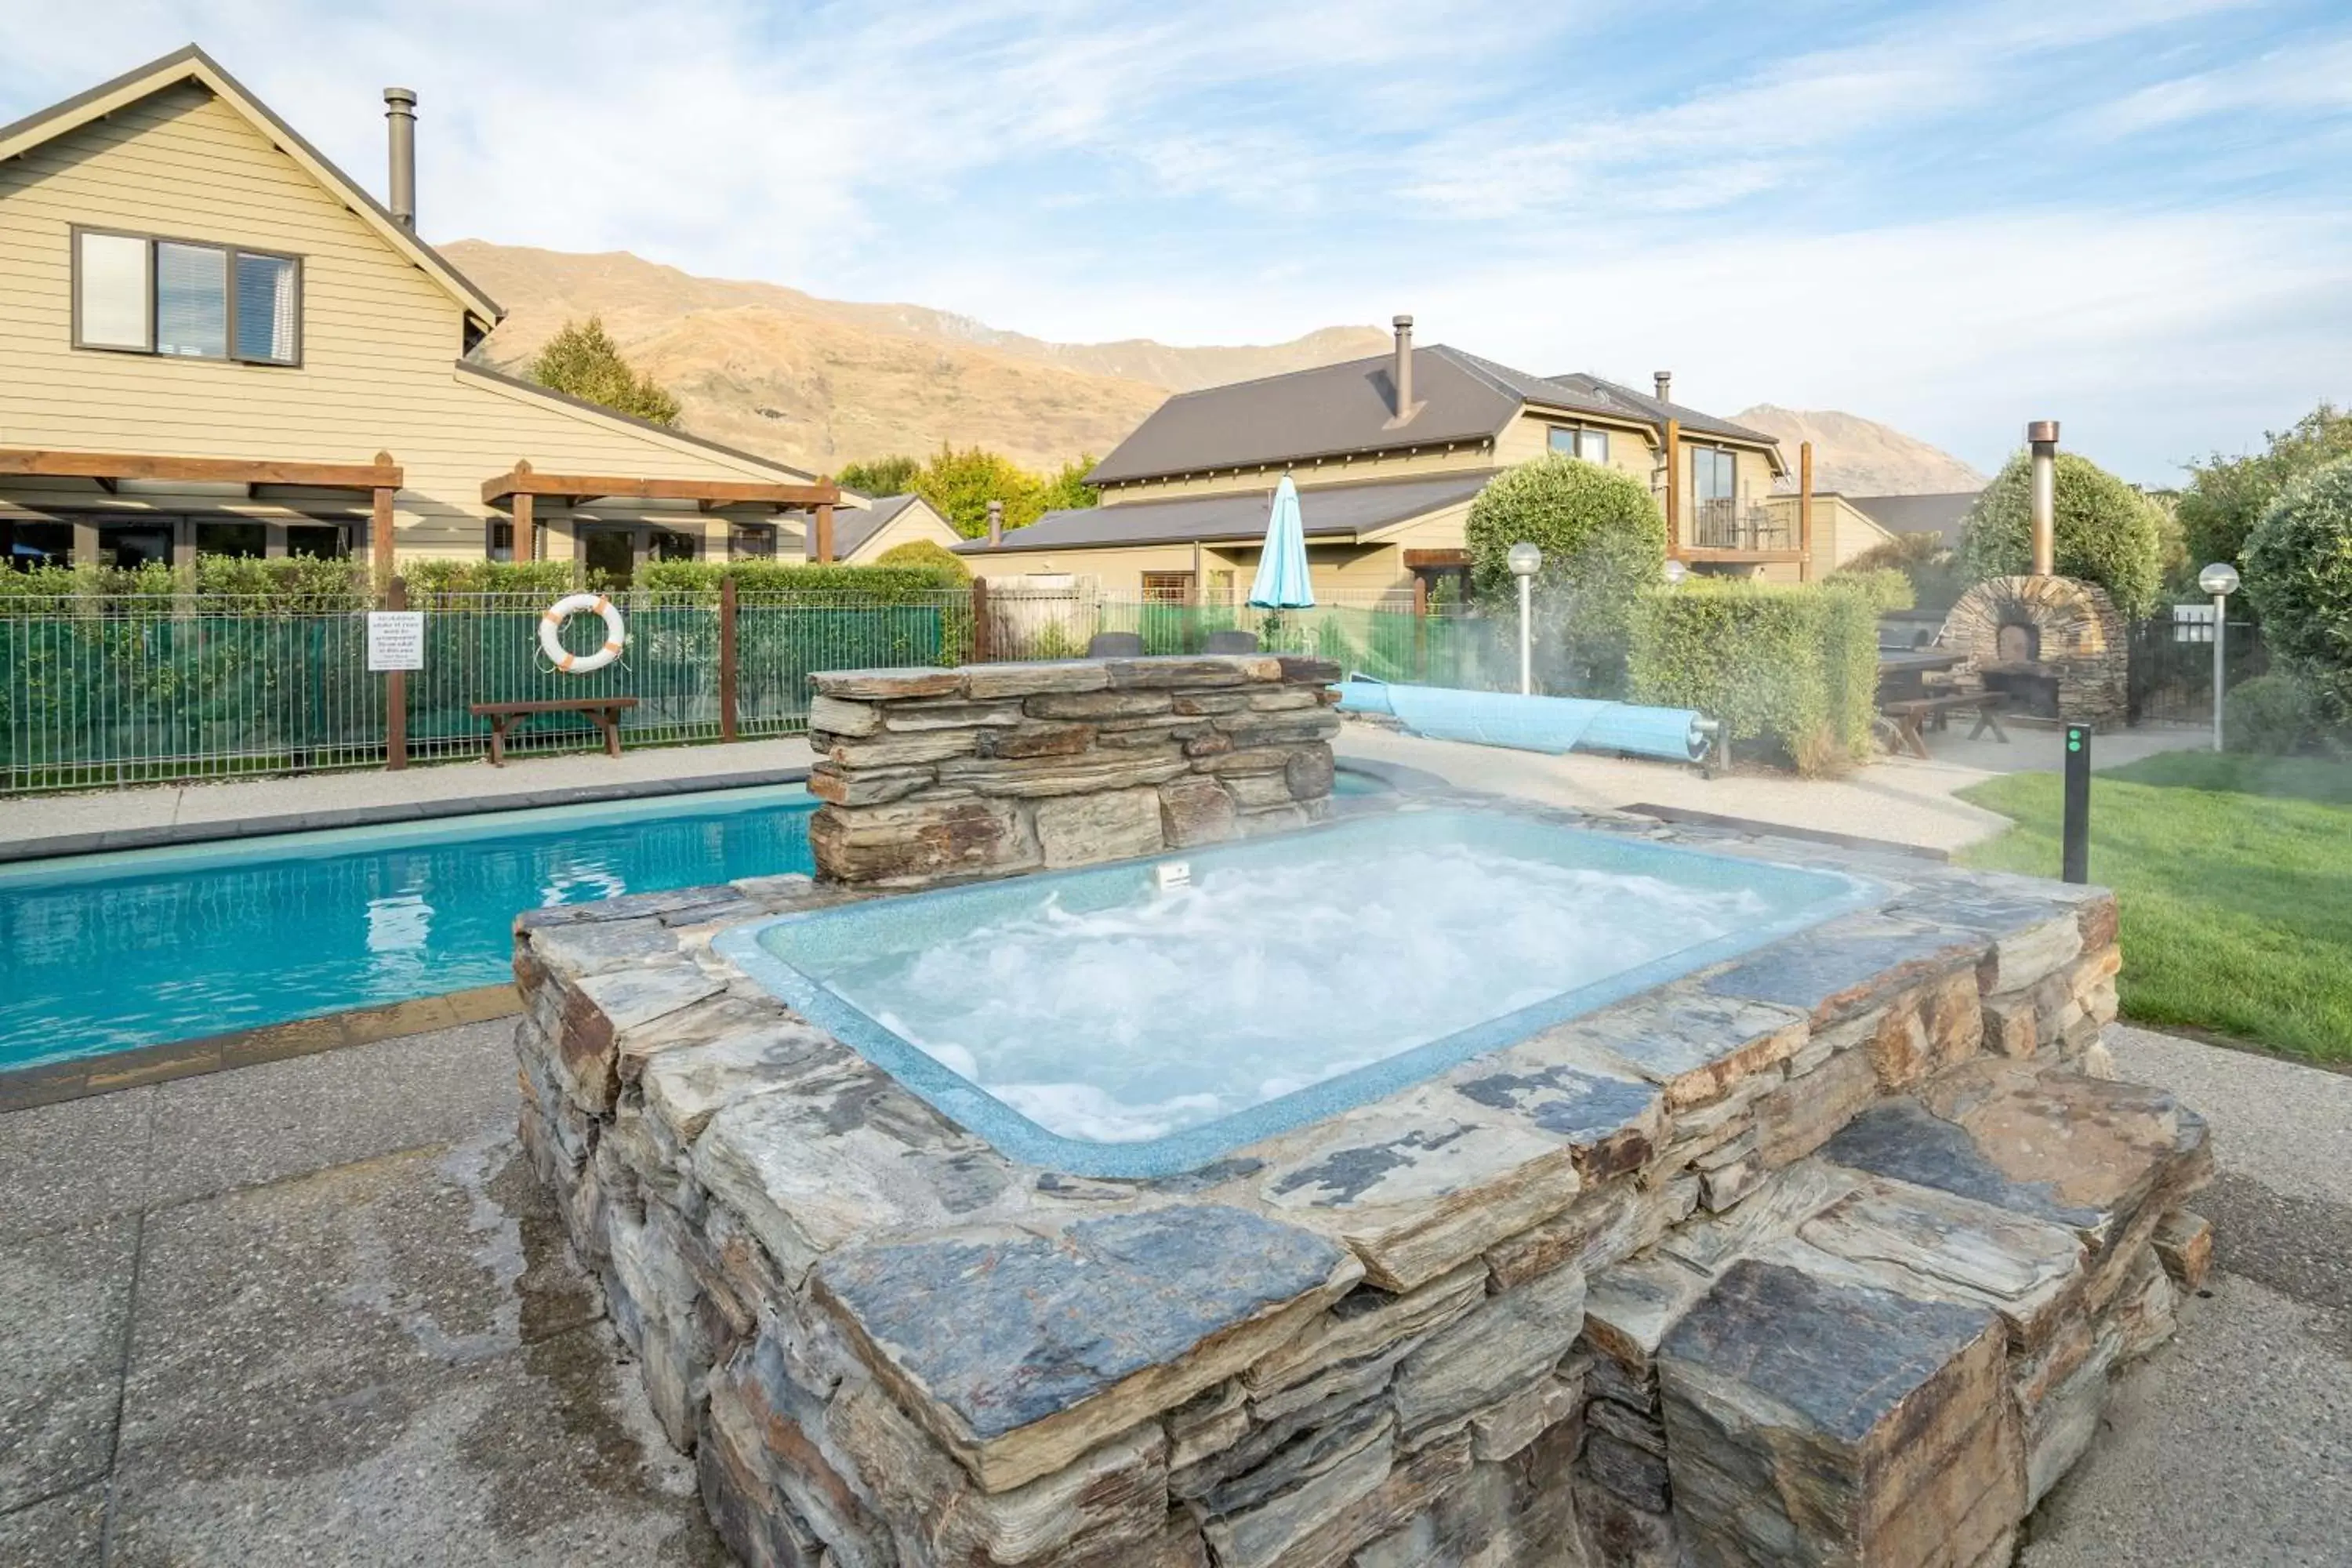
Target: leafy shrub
x=1937 y=575
x=1604 y=544
x=1887 y=589
x=2107 y=532
x=2226 y=497
x=1793 y=667
x=880 y=475
x=928 y=554
x=294 y=583
x=583 y=362
x=2298 y=563
x=2273 y=715
x=433 y=580
x=795 y=580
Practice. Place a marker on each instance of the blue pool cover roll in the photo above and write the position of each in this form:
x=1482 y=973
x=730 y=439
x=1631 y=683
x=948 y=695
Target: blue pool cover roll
x=1529 y=723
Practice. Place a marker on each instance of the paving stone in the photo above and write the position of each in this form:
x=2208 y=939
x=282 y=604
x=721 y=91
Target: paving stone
x=891 y=684
x=2053 y=1145
x=65 y=1300
x=1058 y=1342
x=1418 y=1184
x=1164 y=671
x=1810 y=1422
x=64 y=1166
x=1695 y=1046
x=1018 y=678
x=1612 y=1124
x=1848 y=966
x=64 y=1531
x=689 y=1084
x=843 y=1154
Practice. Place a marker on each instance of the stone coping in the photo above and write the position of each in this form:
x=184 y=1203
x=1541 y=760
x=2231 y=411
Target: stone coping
x=171 y=834
x=48 y=1083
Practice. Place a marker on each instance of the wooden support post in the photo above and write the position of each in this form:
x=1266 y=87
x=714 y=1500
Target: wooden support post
x=1805 y=512
x=1420 y=626
x=1674 y=488
x=85 y=541
x=380 y=527
x=273 y=540
x=526 y=529
x=727 y=666
x=396 y=688
x=821 y=545
x=983 y=633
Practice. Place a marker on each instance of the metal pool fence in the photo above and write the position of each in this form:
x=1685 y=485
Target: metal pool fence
x=116 y=691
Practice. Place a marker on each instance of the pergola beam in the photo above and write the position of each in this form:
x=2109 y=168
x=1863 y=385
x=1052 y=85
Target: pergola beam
x=110 y=469
x=572 y=489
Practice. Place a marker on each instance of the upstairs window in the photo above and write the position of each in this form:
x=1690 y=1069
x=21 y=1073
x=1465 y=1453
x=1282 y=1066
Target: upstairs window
x=137 y=294
x=1575 y=441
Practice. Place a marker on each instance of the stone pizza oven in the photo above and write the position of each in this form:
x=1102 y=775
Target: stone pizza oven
x=2057 y=646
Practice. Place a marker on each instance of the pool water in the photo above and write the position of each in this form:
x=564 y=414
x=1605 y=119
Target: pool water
x=1099 y=1023
x=102 y=952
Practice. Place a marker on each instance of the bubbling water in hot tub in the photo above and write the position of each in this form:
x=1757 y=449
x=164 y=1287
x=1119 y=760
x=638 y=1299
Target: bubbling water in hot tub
x=1258 y=980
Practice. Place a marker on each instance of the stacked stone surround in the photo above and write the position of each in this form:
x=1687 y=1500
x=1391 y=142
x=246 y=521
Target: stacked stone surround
x=1823 y=1255
x=928 y=774
x=2083 y=639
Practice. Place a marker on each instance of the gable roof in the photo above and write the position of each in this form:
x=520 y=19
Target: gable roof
x=1940 y=514
x=192 y=64
x=518 y=386
x=1331 y=410
x=1344 y=511
x=851 y=530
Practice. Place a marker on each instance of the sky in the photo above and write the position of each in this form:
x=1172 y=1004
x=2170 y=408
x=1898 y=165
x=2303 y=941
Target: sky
x=2131 y=215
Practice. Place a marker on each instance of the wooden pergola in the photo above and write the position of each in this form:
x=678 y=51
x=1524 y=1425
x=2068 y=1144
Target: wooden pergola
x=519 y=488
x=381 y=479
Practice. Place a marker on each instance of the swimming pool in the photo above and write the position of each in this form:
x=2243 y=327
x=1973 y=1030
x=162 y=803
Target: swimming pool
x=1104 y=1023
x=105 y=952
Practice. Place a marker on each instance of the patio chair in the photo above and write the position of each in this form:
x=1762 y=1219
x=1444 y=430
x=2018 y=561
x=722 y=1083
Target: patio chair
x=1115 y=645
x=1232 y=642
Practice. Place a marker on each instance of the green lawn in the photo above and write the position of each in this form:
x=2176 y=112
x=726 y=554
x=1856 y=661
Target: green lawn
x=2235 y=876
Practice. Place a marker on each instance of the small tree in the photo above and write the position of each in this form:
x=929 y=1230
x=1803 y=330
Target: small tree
x=1603 y=540
x=892 y=476
x=960 y=485
x=2226 y=497
x=2107 y=532
x=1938 y=578
x=2298 y=562
x=1067 y=490
x=585 y=362
x=926 y=553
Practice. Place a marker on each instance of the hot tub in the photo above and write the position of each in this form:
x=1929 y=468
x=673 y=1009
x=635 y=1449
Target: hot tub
x=1145 y=1018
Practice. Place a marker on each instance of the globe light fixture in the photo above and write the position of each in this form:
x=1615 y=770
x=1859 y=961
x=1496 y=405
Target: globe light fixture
x=2221 y=579
x=1675 y=573
x=1525 y=561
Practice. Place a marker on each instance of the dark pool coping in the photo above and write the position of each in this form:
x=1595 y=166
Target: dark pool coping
x=68 y=845
x=1687 y=818
x=49 y=1083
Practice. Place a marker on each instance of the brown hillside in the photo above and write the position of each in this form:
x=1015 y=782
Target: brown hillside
x=820 y=383
x=1860 y=456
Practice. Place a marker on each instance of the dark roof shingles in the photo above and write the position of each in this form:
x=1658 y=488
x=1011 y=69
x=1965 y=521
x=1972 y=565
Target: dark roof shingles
x=1324 y=511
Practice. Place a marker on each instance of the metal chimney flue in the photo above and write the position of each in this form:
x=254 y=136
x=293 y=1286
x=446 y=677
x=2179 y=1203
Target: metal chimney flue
x=1400 y=372
x=400 y=113
x=995 y=523
x=2042 y=436
x=1666 y=383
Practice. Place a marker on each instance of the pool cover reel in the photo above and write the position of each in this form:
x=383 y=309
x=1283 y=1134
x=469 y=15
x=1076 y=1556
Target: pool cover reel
x=1532 y=723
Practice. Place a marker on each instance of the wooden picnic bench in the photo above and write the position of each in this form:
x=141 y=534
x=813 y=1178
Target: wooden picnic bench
x=1910 y=713
x=604 y=711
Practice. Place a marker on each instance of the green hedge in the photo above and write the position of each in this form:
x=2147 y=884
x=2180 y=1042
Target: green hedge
x=294 y=583
x=2298 y=563
x=793 y=579
x=2105 y=531
x=1603 y=540
x=1791 y=669
x=1889 y=589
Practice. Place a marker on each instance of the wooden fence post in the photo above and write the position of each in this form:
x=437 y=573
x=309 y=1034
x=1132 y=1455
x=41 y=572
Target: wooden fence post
x=726 y=667
x=982 y=639
x=1420 y=629
x=1804 y=512
x=396 y=691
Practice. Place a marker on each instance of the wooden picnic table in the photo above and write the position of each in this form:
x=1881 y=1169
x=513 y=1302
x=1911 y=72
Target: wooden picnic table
x=1910 y=714
x=1903 y=673
x=604 y=711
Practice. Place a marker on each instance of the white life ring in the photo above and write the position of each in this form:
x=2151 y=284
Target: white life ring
x=551 y=633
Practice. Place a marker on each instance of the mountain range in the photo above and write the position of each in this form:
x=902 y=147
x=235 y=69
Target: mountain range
x=822 y=382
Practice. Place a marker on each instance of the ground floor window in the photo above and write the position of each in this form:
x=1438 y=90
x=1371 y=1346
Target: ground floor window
x=1168 y=588
x=613 y=551
x=131 y=545
x=238 y=540
x=751 y=541
x=498 y=540
x=25 y=546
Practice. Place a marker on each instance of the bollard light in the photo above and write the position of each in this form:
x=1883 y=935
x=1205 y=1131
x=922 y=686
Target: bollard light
x=2221 y=579
x=1675 y=573
x=1525 y=561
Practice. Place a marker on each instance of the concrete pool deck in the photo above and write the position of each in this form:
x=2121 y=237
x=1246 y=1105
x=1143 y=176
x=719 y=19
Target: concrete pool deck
x=319 y=1309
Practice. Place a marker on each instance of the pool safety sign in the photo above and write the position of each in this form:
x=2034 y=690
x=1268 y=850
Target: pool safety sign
x=395 y=639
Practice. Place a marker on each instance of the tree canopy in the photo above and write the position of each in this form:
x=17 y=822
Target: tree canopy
x=583 y=361
x=2225 y=497
x=961 y=484
x=2298 y=571
x=2107 y=532
x=1603 y=540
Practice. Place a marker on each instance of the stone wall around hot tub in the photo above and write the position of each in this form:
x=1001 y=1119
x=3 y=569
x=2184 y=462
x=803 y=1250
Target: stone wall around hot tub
x=928 y=774
x=1785 y=1262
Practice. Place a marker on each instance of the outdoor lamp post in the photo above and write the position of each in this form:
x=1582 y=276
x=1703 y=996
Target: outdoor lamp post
x=2221 y=579
x=1525 y=561
x=1675 y=573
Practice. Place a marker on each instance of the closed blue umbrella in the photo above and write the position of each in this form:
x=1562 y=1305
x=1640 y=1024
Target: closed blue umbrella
x=1282 y=581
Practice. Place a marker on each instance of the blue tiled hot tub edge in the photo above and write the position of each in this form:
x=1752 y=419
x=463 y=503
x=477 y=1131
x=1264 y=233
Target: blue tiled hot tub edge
x=753 y=949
